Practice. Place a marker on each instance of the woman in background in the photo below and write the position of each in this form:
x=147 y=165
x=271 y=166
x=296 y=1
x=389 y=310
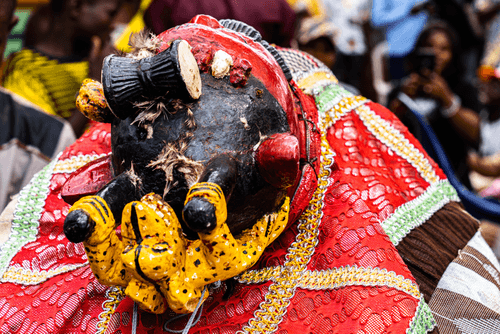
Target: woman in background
x=436 y=89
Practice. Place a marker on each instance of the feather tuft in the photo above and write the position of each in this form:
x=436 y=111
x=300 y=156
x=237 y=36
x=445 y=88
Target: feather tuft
x=143 y=44
x=171 y=159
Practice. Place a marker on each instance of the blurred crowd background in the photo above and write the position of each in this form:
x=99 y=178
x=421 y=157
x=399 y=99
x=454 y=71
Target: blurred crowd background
x=437 y=59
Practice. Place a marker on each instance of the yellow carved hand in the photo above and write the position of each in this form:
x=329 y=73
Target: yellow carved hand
x=161 y=262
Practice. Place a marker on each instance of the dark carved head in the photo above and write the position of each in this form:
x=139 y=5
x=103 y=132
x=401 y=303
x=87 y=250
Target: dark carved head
x=206 y=100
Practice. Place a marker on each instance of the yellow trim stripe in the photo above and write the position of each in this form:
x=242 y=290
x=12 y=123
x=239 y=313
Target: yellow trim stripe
x=337 y=278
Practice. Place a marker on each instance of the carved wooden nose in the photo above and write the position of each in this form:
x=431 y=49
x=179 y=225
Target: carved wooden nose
x=127 y=80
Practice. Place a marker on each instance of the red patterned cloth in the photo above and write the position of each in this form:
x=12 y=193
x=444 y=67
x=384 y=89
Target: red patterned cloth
x=47 y=286
x=335 y=269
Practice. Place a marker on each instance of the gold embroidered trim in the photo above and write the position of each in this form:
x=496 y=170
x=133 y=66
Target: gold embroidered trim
x=270 y=313
x=261 y=275
x=115 y=296
x=72 y=164
x=33 y=277
x=341 y=108
x=339 y=277
x=391 y=137
x=347 y=276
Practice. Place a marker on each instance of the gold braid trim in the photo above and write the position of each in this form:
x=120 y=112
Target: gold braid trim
x=270 y=313
x=293 y=274
x=72 y=164
x=339 y=277
x=115 y=296
x=344 y=106
x=34 y=277
x=395 y=140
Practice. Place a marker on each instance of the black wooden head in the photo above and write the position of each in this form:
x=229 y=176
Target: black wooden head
x=170 y=145
x=197 y=109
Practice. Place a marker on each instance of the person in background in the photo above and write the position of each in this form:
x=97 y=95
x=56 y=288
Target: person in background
x=340 y=29
x=487 y=13
x=435 y=88
x=317 y=38
x=275 y=20
x=460 y=15
x=403 y=20
x=60 y=39
x=29 y=137
x=485 y=128
x=349 y=18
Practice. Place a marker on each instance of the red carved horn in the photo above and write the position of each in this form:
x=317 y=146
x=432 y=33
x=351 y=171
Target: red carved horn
x=278 y=160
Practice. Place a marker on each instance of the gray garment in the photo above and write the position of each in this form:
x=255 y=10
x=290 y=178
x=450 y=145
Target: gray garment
x=489 y=136
x=34 y=139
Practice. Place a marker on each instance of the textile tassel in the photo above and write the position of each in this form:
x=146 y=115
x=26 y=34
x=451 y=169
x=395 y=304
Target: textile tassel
x=127 y=81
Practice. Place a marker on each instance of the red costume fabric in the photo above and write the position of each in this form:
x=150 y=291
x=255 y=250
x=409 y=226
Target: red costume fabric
x=48 y=287
x=335 y=269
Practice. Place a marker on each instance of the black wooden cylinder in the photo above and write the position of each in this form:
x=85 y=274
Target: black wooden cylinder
x=127 y=80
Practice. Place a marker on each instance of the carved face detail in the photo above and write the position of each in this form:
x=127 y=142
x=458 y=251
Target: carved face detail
x=204 y=119
x=198 y=110
x=169 y=153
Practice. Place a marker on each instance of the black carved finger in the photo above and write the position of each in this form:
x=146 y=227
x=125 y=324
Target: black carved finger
x=221 y=170
x=78 y=226
x=121 y=190
x=198 y=213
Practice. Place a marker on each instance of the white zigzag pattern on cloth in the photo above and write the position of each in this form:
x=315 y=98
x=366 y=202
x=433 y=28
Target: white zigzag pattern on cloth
x=478 y=326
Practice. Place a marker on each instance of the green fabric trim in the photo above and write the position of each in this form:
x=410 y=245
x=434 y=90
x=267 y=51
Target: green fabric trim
x=27 y=213
x=416 y=212
x=423 y=321
x=327 y=97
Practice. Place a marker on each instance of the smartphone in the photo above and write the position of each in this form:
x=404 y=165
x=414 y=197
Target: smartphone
x=425 y=59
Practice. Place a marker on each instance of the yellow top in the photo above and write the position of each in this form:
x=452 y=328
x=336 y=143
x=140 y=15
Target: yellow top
x=45 y=82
